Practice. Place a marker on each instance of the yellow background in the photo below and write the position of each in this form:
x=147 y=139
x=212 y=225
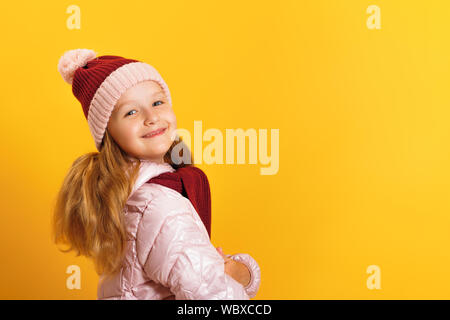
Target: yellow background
x=363 y=116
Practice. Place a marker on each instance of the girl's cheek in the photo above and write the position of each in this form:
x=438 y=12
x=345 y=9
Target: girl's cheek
x=172 y=119
x=130 y=129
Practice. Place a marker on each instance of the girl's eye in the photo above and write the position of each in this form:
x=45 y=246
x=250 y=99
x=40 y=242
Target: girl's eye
x=129 y=113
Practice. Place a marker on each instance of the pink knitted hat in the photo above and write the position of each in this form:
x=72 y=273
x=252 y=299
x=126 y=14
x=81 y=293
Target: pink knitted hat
x=98 y=82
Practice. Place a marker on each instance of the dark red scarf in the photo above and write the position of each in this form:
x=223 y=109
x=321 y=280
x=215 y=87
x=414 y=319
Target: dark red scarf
x=193 y=184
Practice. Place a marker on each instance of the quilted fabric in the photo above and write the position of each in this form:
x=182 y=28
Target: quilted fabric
x=169 y=253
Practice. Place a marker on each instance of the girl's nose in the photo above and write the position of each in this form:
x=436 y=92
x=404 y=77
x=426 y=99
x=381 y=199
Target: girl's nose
x=151 y=116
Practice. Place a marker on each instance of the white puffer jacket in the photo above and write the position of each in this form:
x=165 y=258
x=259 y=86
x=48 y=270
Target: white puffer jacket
x=169 y=254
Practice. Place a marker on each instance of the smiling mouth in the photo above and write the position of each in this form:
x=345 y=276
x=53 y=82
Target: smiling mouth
x=156 y=133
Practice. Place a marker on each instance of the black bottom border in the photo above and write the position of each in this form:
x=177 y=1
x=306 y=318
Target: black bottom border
x=236 y=309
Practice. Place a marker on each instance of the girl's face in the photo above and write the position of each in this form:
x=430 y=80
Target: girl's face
x=142 y=109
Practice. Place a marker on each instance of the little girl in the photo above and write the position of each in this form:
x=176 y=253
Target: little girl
x=139 y=212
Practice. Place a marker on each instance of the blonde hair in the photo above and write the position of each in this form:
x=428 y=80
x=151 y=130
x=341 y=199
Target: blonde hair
x=88 y=214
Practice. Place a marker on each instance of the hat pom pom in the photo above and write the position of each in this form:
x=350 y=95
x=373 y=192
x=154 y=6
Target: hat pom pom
x=72 y=60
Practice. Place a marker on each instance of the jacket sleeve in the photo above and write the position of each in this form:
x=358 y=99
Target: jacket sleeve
x=255 y=272
x=184 y=260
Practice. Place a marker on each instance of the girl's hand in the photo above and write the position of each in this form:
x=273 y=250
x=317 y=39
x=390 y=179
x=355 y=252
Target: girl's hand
x=237 y=270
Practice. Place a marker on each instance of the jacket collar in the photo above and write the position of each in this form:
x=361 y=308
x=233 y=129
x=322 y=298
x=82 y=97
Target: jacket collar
x=148 y=170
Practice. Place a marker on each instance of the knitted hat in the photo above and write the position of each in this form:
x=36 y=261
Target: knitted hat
x=98 y=82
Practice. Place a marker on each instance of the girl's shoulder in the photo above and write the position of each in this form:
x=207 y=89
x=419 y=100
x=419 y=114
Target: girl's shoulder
x=154 y=196
x=166 y=208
